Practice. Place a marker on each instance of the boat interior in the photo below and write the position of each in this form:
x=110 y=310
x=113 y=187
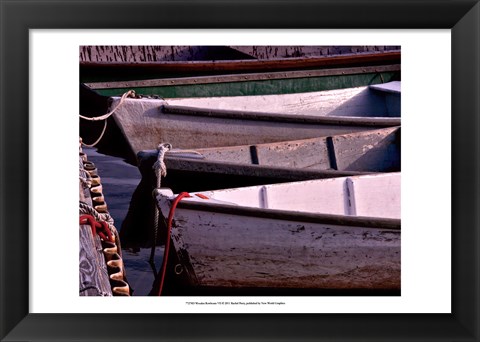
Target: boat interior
x=369 y=196
x=368 y=101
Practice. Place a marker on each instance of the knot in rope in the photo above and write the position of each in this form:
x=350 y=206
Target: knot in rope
x=160 y=171
x=99 y=228
x=159 y=166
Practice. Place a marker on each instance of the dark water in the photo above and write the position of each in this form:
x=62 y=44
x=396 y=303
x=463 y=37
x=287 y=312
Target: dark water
x=119 y=180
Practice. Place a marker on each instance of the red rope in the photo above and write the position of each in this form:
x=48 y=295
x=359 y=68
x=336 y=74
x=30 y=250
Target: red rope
x=167 y=242
x=94 y=224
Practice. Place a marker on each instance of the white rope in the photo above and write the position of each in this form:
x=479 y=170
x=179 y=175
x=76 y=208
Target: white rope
x=106 y=116
x=160 y=171
x=89 y=210
x=99 y=138
x=159 y=166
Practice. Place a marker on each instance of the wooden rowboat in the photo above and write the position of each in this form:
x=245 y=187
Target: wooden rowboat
x=339 y=234
x=368 y=151
x=147 y=122
x=240 y=166
x=382 y=100
x=114 y=74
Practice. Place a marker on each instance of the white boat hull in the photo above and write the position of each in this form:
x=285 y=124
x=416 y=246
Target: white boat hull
x=332 y=234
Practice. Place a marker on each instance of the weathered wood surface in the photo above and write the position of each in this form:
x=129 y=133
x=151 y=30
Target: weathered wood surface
x=374 y=151
x=272 y=51
x=145 y=54
x=141 y=54
x=115 y=74
x=94 y=279
x=231 y=250
x=360 y=101
x=145 y=124
x=199 y=175
x=228 y=167
x=101 y=269
x=279 y=247
x=93 y=275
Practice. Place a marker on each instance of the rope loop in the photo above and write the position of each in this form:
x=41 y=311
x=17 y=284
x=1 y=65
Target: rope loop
x=160 y=171
x=99 y=228
x=86 y=209
x=171 y=213
x=130 y=93
x=99 y=138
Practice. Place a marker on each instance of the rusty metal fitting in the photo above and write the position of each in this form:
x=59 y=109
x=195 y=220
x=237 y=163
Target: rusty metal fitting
x=178 y=269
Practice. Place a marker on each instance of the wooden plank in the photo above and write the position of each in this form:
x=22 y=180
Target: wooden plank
x=311 y=154
x=120 y=55
x=348 y=52
x=237 y=154
x=94 y=280
x=93 y=274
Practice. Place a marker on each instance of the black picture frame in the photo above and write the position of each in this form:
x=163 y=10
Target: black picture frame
x=17 y=17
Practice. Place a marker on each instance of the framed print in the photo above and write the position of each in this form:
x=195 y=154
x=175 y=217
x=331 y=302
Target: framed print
x=439 y=258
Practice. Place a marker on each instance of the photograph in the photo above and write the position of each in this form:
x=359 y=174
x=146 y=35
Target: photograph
x=240 y=170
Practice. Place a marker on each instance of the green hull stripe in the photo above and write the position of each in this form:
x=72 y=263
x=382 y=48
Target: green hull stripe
x=262 y=87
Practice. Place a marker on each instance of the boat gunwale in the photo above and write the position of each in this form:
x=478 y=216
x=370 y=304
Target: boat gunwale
x=330 y=219
x=275 y=117
x=229 y=78
x=170 y=154
x=254 y=170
